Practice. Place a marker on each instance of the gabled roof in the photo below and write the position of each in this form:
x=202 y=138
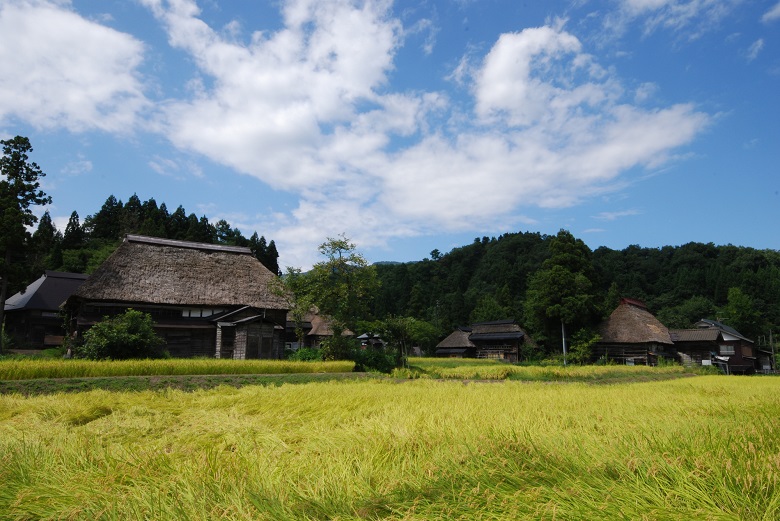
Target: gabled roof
x=708 y=324
x=496 y=330
x=694 y=335
x=149 y=270
x=706 y=331
x=458 y=339
x=632 y=323
x=47 y=293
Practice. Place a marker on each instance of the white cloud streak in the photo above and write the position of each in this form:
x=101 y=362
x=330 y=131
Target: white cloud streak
x=772 y=15
x=755 y=49
x=687 y=18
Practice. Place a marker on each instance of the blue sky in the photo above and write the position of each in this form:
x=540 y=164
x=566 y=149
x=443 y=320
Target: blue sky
x=408 y=126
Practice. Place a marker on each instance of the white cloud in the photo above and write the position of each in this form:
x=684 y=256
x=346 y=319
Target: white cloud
x=307 y=110
x=645 y=92
x=755 y=49
x=772 y=15
x=58 y=69
x=612 y=216
x=75 y=168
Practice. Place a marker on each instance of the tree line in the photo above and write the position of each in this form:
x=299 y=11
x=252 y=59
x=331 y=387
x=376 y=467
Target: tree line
x=544 y=280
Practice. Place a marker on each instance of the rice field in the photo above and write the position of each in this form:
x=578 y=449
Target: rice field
x=15 y=369
x=706 y=447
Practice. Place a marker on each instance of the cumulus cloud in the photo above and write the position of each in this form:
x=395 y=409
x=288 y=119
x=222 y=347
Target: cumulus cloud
x=59 y=70
x=307 y=109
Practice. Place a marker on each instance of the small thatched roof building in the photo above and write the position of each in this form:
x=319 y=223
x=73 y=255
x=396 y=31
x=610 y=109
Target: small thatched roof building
x=457 y=345
x=206 y=299
x=632 y=334
x=314 y=327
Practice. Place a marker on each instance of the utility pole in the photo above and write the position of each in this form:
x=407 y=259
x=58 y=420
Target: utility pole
x=563 y=339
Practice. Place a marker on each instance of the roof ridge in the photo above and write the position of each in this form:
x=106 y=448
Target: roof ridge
x=186 y=244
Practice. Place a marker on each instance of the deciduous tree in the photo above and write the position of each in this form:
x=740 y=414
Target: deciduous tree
x=341 y=286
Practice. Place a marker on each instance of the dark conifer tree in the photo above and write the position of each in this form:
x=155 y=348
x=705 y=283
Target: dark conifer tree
x=74 y=238
x=106 y=223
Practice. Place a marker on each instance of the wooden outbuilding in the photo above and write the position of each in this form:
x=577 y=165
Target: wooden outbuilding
x=206 y=299
x=710 y=342
x=499 y=340
x=314 y=328
x=632 y=335
x=32 y=317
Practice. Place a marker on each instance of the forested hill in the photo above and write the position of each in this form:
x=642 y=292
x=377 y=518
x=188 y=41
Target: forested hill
x=489 y=280
x=83 y=246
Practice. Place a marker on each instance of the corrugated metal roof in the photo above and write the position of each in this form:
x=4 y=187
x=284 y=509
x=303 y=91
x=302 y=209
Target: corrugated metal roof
x=695 y=335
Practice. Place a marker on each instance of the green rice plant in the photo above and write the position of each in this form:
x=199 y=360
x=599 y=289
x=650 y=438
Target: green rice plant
x=14 y=369
x=693 y=448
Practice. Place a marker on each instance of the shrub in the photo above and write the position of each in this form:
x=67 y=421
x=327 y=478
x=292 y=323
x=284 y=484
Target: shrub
x=305 y=354
x=372 y=360
x=128 y=335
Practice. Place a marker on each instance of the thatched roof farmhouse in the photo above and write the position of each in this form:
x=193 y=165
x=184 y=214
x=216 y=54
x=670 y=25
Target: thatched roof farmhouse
x=206 y=299
x=633 y=335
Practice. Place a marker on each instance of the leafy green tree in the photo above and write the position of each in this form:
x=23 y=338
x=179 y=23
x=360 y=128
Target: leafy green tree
x=19 y=191
x=341 y=286
x=125 y=336
x=488 y=309
x=685 y=314
x=404 y=333
x=741 y=314
x=561 y=293
x=582 y=342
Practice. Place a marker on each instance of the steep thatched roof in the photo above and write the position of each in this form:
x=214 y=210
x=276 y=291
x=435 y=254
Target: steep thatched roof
x=162 y=271
x=632 y=323
x=457 y=339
